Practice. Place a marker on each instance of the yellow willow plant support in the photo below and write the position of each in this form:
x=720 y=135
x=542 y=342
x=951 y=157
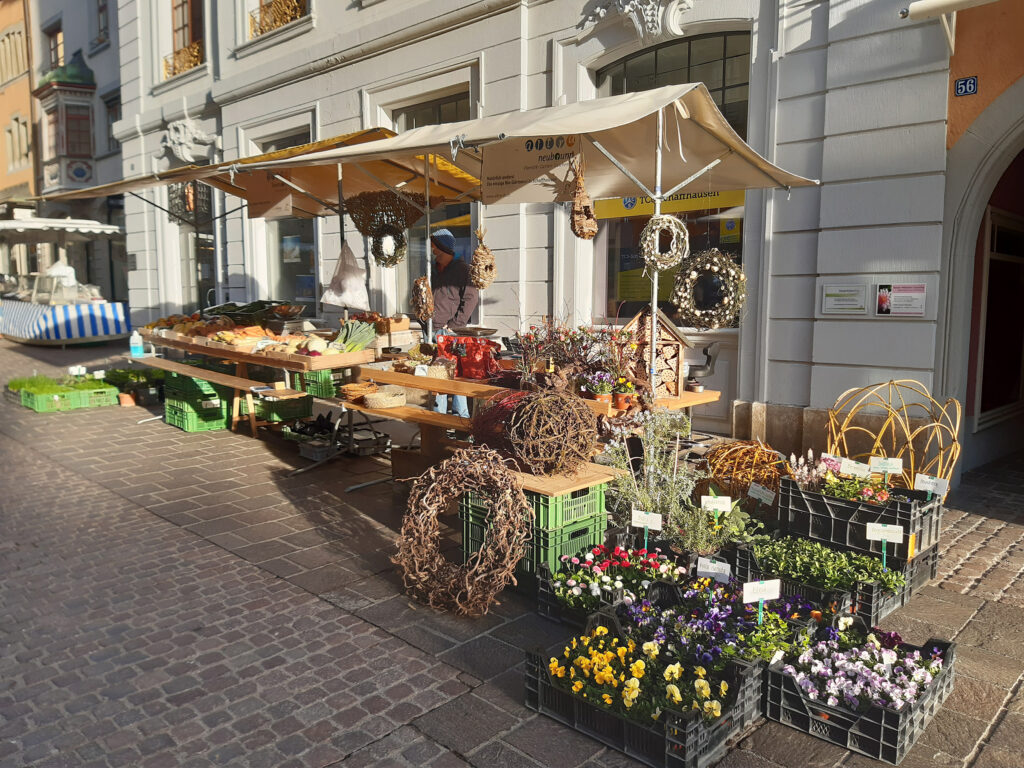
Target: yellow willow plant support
x=897 y=419
x=734 y=466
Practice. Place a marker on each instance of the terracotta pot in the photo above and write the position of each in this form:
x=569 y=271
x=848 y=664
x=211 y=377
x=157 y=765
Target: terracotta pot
x=623 y=400
x=126 y=399
x=601 y=397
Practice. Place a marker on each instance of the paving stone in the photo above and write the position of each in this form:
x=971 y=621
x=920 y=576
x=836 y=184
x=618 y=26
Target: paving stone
x=552 y=744
x=954 y=733
x=498 y=754
x=1009 y=734
x=999 y=670
x=790 y=748
x=464 y=723
x=484 y=657
x=995 y=757
x=975 y=698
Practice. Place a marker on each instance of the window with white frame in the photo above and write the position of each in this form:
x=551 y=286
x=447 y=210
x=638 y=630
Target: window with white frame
x=112 y=107
x=13 y=61
x=54 y=46
x=17 y=136
x=102 y=21
x=51 y=127
x=78 y=130
x=455 y=217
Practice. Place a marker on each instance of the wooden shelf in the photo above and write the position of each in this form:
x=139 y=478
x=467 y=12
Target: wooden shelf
x=414 y=414
x=559 y=485
x=467 y=387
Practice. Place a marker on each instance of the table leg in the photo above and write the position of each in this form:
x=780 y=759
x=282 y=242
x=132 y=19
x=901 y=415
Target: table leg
x=252 y=413
x=236 y=409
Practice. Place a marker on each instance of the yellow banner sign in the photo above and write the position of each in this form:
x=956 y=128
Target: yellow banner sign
x=622 y=207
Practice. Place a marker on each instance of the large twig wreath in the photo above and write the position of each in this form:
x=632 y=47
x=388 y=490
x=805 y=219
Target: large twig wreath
x=729 y=280
x=650 y=242
x=428 y=575
x=389 y=253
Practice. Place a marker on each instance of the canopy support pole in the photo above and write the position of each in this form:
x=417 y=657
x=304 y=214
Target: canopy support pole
x=657 y=196
x=695 y=176
x=310 y=195
x=626 y=172
x=426 y=244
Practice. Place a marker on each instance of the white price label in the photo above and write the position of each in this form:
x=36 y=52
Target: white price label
x=719 y=570
x=936 y=485
x=649 y=520
x=777 y=657
x=759 y=493
x=98 y=374
x=854 y=468
x=885 y=464
x=211 y=403
x=722 y=504
x=761 y=590
x=893 y=534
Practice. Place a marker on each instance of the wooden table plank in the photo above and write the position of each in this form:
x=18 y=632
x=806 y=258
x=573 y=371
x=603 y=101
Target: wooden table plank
x=215 y=377
x=467 y=387
x=413 y=414
x=559 y=485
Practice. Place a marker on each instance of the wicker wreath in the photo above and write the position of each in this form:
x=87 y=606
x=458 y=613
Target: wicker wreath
x=552 y=432
x=734 y=466
x=372 y=210
x=398 y=245
x=715 y=264
x=467 y=589
x=422 y=300
x=483 y=269
x=650 y=242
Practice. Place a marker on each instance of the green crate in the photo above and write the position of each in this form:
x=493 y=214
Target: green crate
x=51 y=403
x=99 y=397
x=548 y=511
x=546 y=545
x=317 y=383
x=280 y=410
x=192 y=421
x=196 y=406
x=188 y=386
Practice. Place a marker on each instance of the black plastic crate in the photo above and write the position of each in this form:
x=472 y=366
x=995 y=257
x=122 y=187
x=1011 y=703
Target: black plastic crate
x=746 y=568
x=880 y=733
x=684 y=740
x=550 y=607
x=872 y=603
x=842 y=523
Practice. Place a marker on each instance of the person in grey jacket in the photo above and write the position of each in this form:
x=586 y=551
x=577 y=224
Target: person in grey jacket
x=455 y=298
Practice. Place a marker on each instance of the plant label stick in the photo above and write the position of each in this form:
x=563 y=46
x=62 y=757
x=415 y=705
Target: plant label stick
x=759 y=591
x=931 y=485
x=641 y=519
x=885 y=533
x=761 y=495
x=709 y=568
x=716 y=504
x=854 y=468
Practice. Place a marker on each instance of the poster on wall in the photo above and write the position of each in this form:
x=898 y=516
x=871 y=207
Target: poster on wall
x=844 y=299
x=305 y=288
x=291 y=249
x=900 y=299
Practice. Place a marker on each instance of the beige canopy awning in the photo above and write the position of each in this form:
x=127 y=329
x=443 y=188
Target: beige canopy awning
x=527 y=156
x=62 y=231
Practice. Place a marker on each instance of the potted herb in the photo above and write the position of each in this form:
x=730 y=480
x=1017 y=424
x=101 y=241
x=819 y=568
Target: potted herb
x=624 y=393
x=599 y=385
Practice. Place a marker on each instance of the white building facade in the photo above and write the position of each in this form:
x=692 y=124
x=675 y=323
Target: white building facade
x=841 y=91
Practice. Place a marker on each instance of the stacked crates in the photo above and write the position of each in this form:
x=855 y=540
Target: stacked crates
x=316 y=383
x=280 y=410
x=195 y=405
x=562 y=525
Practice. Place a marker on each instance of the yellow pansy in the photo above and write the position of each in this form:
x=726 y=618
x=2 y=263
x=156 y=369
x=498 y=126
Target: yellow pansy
x=553 y=665
x=600 y=631
x=673 y=672
x=723 y=688
x=651 y=650
x=622 y=654
x=577 y=686
x=713 y=708
x=603 y=675
x=637 y=668
x=699 y=671
x=672 y=693
x=607 y=699
x=703 y=689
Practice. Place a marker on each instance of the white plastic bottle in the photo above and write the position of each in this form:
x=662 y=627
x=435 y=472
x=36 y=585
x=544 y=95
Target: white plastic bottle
x=135 y=347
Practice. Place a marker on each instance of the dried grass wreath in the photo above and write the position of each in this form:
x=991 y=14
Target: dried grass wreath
x=650 y=242
x=483 y=268
x=422 y=300
x=729 y=275
x=552 y=432
x=582 y=220
x=388 y=247
x=469 y=589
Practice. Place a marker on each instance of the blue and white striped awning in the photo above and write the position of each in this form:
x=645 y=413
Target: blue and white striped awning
x=24 y=321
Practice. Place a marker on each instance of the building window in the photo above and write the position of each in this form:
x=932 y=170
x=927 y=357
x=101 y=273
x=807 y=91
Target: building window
x=18 y=139
x=78 y=130
x=55 y=46
x=455 y=217
x=102 y=22
x=293 y=267
x=12 y=55
x=113 y=109
x=722 y=62
x=52 y=126
x=273 y=14
x=186 y=37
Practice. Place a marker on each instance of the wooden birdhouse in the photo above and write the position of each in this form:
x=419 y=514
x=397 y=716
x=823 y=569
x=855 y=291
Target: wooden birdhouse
x=669 y=355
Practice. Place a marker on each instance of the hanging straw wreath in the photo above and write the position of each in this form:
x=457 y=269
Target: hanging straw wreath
x=483 y=269
x=384 y=214
x=552 y=432
x=429 y=576
x=650 y=242
x=582 y=222
x=422 y=300
x=389 y=247
x=708 y=276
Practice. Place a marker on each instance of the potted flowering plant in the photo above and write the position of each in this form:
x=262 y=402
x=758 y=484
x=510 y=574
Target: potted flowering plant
x=599 y=384
x=624 y=392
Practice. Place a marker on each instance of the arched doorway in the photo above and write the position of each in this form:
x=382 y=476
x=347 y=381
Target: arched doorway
x=976 y=167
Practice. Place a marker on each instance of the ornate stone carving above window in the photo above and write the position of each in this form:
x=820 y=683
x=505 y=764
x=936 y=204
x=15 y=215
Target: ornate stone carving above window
x=649 y=17
x=182 y=139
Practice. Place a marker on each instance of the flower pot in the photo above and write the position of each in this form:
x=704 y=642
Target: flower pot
x=623 y=400
x=126 y=399
x=601 y=397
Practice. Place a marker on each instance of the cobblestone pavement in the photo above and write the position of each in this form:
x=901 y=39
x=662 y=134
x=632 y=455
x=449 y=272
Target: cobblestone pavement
x=173 y=599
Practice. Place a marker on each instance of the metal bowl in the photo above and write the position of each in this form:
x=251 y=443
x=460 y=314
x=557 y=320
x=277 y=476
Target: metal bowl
x=475 y=331
x=287 y=311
